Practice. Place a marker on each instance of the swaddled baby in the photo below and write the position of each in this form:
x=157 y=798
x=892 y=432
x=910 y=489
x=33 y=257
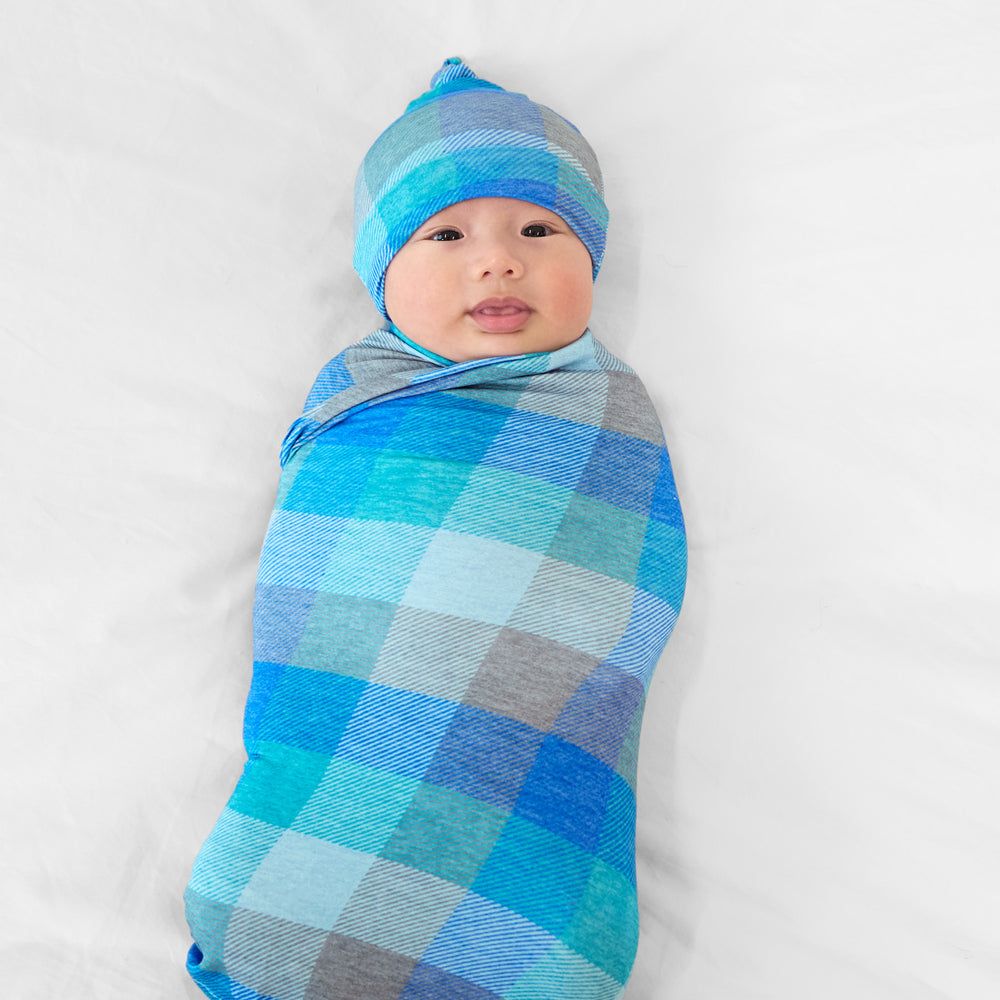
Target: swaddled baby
x=475 y=560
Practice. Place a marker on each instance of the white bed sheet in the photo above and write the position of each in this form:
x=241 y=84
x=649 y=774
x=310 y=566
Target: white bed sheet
x=802 y=265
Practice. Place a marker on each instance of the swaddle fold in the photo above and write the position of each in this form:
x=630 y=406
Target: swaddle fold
x=468 y=578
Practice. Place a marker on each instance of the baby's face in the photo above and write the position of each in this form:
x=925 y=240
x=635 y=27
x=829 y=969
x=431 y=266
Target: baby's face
x=490 y=277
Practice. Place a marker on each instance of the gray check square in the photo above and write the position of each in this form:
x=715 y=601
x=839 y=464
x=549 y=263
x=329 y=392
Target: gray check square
x=528 y=677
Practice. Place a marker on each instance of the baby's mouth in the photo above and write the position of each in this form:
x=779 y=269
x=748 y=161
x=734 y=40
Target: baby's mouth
x=500 y=315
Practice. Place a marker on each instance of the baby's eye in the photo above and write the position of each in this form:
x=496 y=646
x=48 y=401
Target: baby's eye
x=536 y=229
x=446 y=234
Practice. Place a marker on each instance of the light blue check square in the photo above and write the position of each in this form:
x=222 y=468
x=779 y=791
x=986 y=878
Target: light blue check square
x=477 y=578
x=305 y=880
x=375 y=559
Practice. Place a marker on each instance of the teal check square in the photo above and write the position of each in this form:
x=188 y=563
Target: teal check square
x=559 y=872
x=411 y=489
x=600 y=537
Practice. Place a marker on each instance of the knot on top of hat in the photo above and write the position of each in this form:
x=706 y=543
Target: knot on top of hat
x=453 y=76
x=451 y=69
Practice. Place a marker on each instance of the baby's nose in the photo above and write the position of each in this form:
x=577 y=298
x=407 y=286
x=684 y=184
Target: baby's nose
x=500 y=258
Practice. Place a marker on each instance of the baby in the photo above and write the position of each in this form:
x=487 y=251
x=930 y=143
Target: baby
x=475 y=560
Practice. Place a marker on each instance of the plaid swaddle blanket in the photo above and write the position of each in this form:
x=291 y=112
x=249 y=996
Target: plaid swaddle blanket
x=468 y=578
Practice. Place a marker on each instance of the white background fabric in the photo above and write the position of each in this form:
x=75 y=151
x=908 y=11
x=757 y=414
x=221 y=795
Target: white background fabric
x=802 y=265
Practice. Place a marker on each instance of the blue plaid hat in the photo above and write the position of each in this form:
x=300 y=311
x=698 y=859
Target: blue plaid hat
x=468 y=138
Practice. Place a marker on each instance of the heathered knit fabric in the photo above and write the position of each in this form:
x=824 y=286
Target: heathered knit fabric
x=469 y=576
x=468 y=138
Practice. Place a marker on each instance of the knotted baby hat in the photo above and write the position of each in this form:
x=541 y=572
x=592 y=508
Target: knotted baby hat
x=468 y=138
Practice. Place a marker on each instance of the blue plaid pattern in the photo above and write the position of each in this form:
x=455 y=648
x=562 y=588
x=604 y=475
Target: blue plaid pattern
x=468 y=138
x=468 y=578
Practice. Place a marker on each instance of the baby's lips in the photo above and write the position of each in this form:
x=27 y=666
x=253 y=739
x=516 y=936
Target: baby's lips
x=500 y=306
x=500 y=315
